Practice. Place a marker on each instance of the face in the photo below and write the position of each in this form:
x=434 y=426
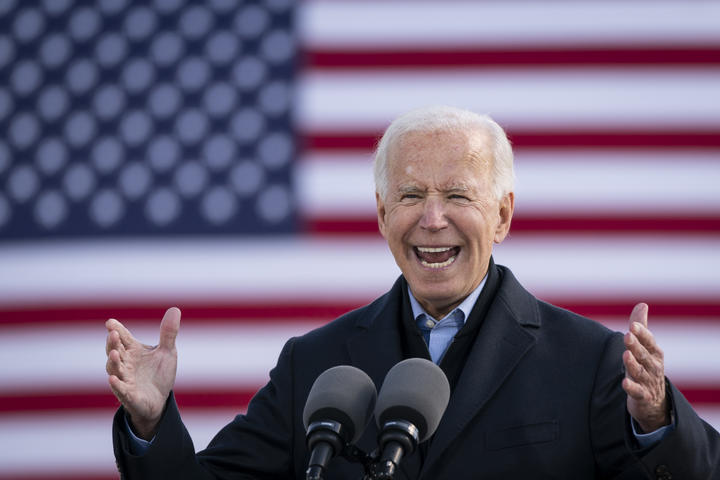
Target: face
x=440 y=216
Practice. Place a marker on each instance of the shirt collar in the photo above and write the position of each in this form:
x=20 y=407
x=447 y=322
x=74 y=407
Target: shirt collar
x=465 y=307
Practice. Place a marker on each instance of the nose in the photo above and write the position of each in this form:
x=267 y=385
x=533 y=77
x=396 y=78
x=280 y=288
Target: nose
x=433 y=215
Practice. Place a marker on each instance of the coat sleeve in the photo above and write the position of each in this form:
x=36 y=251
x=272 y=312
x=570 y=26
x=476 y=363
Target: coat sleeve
x=257 y=445
x=690 y=450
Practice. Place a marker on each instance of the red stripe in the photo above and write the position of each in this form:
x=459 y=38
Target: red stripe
x=670 y=55
x=659 y=308
x=329 y=225
x=684 y=225
x=104 y=400
x=192 y=312
x=701 y=395
x=555 y=139
x=235 y=399
x=701 y=309
x=601 y=224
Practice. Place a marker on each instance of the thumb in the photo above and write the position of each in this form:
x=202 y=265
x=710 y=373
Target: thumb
x=169 y=327
x=639 y=314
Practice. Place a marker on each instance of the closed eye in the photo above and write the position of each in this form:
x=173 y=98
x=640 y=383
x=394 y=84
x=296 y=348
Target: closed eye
x=409 y=196
x=456 y=196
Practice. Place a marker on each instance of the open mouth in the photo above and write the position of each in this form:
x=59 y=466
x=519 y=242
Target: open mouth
x=436 y=257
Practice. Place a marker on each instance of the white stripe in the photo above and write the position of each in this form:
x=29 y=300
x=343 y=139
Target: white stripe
x=664 y=183
x=47 y=443
x=569 y=97
x=315 y=270
x=240 y=356
x=548 y=182
x=335 y=184
x=364 y=23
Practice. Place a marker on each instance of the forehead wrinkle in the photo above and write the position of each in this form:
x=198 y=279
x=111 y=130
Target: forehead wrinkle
x=410 y=187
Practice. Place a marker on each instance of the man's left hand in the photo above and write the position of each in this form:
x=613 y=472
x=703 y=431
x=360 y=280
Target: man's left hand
x=644 y=380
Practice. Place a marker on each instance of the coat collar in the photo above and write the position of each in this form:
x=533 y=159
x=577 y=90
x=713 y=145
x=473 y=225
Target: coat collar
x=376 y=344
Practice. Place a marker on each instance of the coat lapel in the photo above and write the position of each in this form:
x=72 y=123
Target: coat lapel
x=501 y=343
x=375 y=347
x=376 y=350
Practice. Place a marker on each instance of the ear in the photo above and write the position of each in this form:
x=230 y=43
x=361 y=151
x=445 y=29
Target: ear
x=506 y=206
x=380 y=213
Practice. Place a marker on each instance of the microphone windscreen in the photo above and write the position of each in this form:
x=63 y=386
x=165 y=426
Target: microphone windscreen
x=343 y=394
x=415 y=390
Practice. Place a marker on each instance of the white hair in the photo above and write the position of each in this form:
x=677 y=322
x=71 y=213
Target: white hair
x=444 y=118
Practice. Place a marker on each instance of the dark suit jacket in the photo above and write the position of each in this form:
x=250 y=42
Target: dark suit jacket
x=539 y=396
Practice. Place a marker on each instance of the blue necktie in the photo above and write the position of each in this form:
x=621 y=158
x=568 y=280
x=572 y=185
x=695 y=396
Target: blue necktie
x=425 y=324
x=445 y=330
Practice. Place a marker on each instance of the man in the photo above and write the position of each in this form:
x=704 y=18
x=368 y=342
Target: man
x=536 y=390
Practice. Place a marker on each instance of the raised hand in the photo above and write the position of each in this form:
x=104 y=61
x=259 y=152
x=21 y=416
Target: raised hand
x=142 y=376
x=644 y=380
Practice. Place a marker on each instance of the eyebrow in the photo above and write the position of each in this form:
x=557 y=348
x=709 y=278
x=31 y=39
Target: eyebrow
x=448 y=189
x=457 y=188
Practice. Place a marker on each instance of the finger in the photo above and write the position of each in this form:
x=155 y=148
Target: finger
x=636 y=347
x=634 y=370
x=652 y=362
x=114 y=365
x=646 y=339
x=110 y=341
x=633 y=389
x=639 y=314
x=169 y=328
x=113 y=343
x=119 y=388
x=125 y=336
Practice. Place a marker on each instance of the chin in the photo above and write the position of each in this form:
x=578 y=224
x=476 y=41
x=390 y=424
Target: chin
x=432 y=293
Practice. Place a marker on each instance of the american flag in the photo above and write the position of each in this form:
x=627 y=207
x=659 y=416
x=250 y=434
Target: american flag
x=216 y=156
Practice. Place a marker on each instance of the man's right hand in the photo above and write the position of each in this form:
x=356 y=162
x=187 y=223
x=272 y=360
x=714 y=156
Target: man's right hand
x=142 y=376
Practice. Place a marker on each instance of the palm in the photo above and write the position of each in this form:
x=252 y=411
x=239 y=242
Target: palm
x=151 y=375
x=141 y=376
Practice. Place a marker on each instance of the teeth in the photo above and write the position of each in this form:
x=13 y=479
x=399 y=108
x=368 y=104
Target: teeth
x=433 y=249
x=438 y=265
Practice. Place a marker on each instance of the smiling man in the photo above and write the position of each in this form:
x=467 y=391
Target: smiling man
x=438 y=208
x=536 y=391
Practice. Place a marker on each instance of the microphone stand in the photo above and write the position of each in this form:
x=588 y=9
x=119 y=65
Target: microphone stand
x=326 y=436
x=375 y=468
x=398 y=438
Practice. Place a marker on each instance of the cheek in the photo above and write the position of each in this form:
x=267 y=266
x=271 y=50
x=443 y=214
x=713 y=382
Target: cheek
x=400 y=216
x=477 y=224
x=401 y=231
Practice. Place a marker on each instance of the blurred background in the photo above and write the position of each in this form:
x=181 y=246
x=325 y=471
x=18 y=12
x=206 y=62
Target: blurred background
x=216 y=156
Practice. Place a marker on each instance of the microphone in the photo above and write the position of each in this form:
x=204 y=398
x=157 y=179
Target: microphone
x=336 y=412
x=411 y=403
